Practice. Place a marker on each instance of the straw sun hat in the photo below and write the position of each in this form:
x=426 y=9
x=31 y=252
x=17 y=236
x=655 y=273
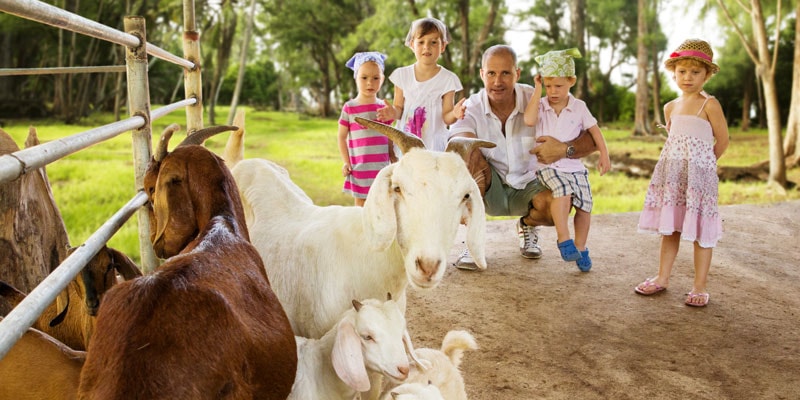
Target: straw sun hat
x=695 y=49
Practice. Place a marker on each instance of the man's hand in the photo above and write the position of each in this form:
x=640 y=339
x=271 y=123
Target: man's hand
x=549 y=149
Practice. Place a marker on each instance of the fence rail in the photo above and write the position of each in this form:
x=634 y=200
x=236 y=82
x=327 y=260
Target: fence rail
x=51 y=15
x=13 y=165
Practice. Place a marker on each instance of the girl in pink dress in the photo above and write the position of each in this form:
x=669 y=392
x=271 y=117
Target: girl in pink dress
x=681 y=200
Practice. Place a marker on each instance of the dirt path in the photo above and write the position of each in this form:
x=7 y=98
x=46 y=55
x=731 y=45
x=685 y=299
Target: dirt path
x=548 y=331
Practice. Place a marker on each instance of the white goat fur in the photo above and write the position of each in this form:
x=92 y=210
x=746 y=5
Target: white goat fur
x=414 y=391
x=370 y=337
x=319 y=258
x=444 y=363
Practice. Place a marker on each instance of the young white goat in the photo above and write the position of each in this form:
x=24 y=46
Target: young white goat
x=444 y=364
x=370 y=338
x=319 y=258
x=414 y=391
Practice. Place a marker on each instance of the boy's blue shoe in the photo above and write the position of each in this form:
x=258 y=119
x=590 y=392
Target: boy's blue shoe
x=568 y=250
x=585 y=263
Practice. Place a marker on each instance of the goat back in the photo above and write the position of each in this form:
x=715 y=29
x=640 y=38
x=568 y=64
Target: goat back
x=199 y=327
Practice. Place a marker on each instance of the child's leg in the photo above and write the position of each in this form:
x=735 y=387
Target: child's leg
x=582 y=221
x=359 y=202
x=702 y=263
x=669 y=251
x=559 y=209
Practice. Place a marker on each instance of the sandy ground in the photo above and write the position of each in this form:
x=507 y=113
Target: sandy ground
x=548 y=331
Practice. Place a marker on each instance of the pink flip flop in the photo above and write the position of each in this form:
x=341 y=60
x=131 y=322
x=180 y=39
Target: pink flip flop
x=691 y=296
x=648 y=287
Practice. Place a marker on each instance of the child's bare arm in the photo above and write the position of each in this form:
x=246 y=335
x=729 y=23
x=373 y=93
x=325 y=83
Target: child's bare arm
x=604 y=162
x=532 y=110
x=342 y=139
x=719 y=126
x=393 y=109
x=452 y=112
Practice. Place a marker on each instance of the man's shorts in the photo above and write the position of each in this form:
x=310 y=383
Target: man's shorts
x=503 y=200
x=575 y=184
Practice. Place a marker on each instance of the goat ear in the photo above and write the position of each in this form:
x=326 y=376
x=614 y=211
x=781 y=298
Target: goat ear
x=380 y=221
x=62 y=299
x=476 y=227
x=423 y=365
x=348 y=361
x=123 y=264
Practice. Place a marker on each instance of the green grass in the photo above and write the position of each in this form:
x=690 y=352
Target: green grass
x=93 y=184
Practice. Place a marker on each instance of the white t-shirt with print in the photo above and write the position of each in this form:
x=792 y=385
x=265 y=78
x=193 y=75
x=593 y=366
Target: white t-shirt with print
x=422 y=108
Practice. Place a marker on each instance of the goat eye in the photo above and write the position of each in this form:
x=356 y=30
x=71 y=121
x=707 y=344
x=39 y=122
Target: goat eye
x=368 y=338
x=397 y=189
x=466 y=196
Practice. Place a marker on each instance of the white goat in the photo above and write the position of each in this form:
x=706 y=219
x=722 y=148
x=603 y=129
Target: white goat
x=319 y=258
x=414 y=391
x=444 y=364
x=370 y=338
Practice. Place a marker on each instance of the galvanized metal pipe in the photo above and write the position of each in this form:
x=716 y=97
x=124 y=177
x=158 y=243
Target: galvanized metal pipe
x=60 y=70
x=51 y=15
x=14 y=325
x=20 y=162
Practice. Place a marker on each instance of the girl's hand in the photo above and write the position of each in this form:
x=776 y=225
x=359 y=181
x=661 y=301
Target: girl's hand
x=603 y=164
x=386 y=113
x=459 y=110
x=346 y=169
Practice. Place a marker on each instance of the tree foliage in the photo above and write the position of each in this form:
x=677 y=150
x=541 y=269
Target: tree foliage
x=299 y=49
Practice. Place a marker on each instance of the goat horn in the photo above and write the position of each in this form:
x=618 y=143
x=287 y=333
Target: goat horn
x=198 y=137
x=161 y=151
x=464 y=145
x=404 y=140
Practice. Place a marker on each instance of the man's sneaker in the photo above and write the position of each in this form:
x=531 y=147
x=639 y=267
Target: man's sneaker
x=528 y=240
x=466 y=262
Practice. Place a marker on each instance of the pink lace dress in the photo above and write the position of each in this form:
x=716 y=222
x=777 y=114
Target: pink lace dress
x=682 y=195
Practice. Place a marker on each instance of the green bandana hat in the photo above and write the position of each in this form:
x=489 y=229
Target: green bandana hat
x=558 y=63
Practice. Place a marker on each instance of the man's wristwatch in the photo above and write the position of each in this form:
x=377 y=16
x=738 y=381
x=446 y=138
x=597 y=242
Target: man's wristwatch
x=570 y=150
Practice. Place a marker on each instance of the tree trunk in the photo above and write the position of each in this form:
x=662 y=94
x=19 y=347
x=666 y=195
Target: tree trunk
x=478 y=46
x=463 y=17
x=248 y=30
x=747 y=101
x=777 y=167
x=33 y=239
x=640 y=114
x=656 y=90
x=226 y=36
x=578 y=21
x=765 y=72
x=790 y=146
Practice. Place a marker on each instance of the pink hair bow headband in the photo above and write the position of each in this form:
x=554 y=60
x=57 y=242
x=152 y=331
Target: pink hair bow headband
x=690 y=53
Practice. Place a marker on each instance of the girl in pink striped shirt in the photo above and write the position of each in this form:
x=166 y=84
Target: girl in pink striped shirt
x=364 y=151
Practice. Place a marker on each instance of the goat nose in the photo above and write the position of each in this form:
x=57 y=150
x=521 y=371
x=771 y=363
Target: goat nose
x=403 y=370
x=427 y=266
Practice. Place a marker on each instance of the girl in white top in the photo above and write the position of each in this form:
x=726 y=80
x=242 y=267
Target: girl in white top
x=424 y=92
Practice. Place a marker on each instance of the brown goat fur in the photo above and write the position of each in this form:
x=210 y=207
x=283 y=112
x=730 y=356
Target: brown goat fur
x=70 y=319
x=205 y=324
x=40 y=367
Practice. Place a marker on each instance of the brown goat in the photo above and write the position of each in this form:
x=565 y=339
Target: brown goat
x=70 y=319
x=205 y=324
x=40 y=367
